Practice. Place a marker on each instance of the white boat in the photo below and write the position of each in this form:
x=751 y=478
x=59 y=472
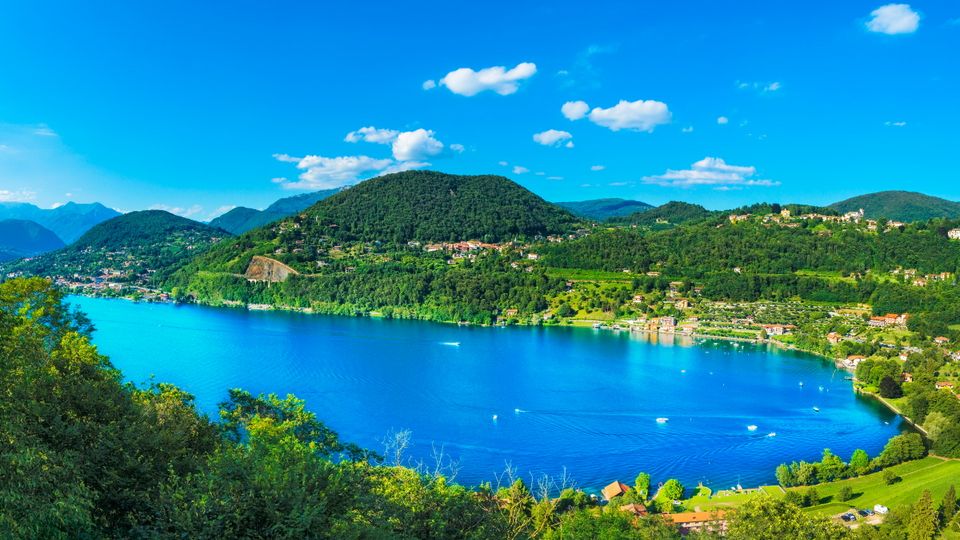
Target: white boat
x=752 y=427
x=495 y=418
x=816 y=409
x=772 y=434
x=662 y=420
x=451 y=343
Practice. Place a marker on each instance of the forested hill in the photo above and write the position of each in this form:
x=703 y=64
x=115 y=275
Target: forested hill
x=604 y=209
x=432 y=206
x=142 y=246
x=241 y=219
x=900 y=206
x=22 y=238
x=673 y=213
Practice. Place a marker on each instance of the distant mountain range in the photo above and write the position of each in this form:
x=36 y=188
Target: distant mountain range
x=900 y=205
x=23 y=238
x=68 y=221
x=604 y=209
x=242 y=219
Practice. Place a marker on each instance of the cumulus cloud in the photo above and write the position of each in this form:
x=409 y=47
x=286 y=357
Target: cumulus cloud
x=467 y=82
x=429 y=84
x=574 y=110
x=723 y=120
x=893 y=19
x=321 y=172
x=372 y=135
x=405 y=145
x=457 y=147
x=597 y=167
x=416 y=144
x=554 y=137
x=517 y=169
x=710 y=171
x=640 y=115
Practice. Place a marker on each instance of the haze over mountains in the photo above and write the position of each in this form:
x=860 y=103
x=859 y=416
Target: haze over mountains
x=23 y=238
x=242 y=219
x=68 y=221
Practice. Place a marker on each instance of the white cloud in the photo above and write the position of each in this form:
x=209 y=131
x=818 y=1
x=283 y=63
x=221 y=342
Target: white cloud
x=457 y=147
x=900 y=123
x=188 y=212
x=894 y=19
x=321 y=172
x=405 y=145
x=417 y=144
x=640 y=115
x=467 y=82
x=710 y=171
x=554 y=178
x=429 y=84
x=517 y=169
x=597 y=167
x=20 y=195
x=502 y=163
x=723 y=120
x=762 y=87
x=43 y=130
x=688 y=129
x=574 y=110
x=372 y=135
x=554 y=137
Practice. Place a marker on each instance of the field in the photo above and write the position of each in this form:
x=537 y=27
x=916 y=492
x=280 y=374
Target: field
x=931 y=473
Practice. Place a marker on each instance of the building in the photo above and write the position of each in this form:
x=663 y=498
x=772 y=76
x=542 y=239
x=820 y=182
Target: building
x=943 y=385
x=941 y=340
x=638 y=510
x=953 y=234
x=688 y=522
x=778 y=329
x=614 y=490
x=668 y=323
x=853 y=361
x=833 y=338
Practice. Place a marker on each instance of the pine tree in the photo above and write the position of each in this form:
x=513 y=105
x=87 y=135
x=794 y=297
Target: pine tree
x=948 y=507
x=923 y=523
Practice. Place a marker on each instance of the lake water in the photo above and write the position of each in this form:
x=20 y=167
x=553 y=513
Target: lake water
x=544 y=400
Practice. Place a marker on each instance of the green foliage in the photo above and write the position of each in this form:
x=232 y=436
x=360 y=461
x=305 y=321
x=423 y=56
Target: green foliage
x=673 y=213
x=765 y=518
x=900 y=448
x=900 y=205
x=890 y=388
x=845 y=494
x=672 y=489
x=890 y=477
x=923 y=520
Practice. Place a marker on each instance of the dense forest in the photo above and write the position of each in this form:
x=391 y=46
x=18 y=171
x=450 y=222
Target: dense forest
x=673 y=213
x=241 y=219
x=604 y=209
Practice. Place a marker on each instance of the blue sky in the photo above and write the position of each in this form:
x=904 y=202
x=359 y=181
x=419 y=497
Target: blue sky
x=201 y=106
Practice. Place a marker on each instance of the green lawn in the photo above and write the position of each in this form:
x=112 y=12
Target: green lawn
x=930 y=473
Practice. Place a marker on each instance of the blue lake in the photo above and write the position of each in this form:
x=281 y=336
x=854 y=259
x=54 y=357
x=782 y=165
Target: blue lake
x=544 y=400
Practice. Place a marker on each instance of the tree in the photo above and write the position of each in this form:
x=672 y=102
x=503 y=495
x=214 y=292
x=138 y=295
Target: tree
x=811 y=497
x=845 y=493
x=642 y=484
x=948 y=507
x=859 y=462
x=948 y=443
x=672 y=489
x=900 y=448
x=766 y=518
x=831 y=467
x=785 y=476
x=890 y=388
x=890 y=477
x=923 y=521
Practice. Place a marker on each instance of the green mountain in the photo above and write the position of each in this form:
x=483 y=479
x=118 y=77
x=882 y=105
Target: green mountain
x=433 y=206
x=139 y=247
x=672 y=213
x=22 y=238
x=900 y=205
x=68 y=221
x=604 y=209
x=242 y=219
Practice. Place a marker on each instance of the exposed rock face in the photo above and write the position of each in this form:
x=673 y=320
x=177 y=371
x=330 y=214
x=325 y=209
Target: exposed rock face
x=267 y=269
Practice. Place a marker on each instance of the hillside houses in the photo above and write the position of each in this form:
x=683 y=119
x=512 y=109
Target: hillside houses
x=953 y=234
x=890 y=320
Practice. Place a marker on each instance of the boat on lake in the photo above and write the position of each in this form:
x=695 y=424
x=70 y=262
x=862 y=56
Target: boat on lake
x=662 y=420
